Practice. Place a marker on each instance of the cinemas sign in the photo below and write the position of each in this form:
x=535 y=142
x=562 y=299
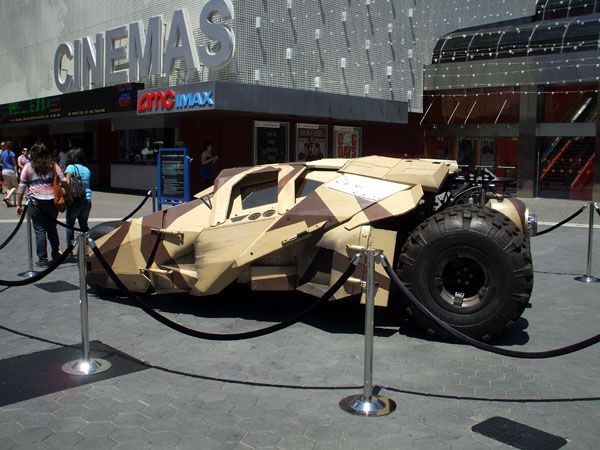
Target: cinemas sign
x=131 y=53
x=192 y=97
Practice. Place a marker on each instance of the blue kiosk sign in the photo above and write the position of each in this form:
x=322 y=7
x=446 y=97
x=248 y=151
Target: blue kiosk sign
x=173 y=176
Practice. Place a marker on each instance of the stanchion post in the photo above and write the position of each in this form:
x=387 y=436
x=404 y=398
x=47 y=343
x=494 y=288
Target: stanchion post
x=367 y=404
x=588 y=277
x=154 y=199
x=30 y=272
x=85 y=365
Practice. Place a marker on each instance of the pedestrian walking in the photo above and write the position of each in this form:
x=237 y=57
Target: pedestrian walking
x=207 y=160
x=9 y=173
x=78 y=177
x=23 y=159
x=38 y=178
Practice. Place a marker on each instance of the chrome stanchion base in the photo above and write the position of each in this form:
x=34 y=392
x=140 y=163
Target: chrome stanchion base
x=358 y=405
x=28 y=274
x=82 y=367
x=588 y=279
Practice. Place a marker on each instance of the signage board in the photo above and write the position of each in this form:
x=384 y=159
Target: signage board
x=271 y=141
x=147 y=52
x=311 y=141
x=184 y=98
x=173 y=177
x=348 y=142
x=110 y=99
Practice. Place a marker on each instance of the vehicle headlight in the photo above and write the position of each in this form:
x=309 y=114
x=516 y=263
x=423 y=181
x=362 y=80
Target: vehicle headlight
x=532 y=222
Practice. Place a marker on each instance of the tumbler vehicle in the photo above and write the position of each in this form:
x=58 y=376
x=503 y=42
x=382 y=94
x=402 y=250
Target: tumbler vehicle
x=459 y=246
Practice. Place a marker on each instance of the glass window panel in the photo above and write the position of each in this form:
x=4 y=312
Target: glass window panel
x=566 y=167
x=539 y=10
x=259 y=195
x=570 y=104
x=581 y=7
x=437 y=52
x=556 y=9
x=514 y=43
x=546 y=39
x=456 y=48
x=484 y=45
x=582 y=36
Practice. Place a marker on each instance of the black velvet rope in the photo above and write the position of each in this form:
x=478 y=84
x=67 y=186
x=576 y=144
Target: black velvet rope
x=560 y=224
x=474 y=342
x=130 y=215
x=221 y=337
x=14 y=232
x=40 y=275
x=79 y=230
x=58 y=222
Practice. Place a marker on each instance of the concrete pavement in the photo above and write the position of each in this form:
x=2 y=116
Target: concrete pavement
x=282 y=390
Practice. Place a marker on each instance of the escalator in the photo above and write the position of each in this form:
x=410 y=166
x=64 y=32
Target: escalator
x=566 y=162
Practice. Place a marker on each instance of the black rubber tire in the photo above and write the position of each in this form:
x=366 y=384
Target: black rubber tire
x=475 y=249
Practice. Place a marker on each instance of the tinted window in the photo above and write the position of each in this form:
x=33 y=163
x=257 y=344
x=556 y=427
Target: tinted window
x=259 y=195
x=514 y=43
x=308 y=186
x=581 y=7
x=556 y=9
x=539 y=10
x=582 y=36
x=437 y=51
x=484 y=45
x=546 y=39
x=456 y=48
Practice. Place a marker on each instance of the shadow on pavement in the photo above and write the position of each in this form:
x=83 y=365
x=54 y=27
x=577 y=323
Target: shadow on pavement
x=345 y=316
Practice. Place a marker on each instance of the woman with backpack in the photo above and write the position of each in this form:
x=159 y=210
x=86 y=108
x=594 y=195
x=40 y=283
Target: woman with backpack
x=38 y=177
x=78 y=178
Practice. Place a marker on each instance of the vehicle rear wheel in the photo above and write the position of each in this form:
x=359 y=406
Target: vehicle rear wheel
x=471 y=267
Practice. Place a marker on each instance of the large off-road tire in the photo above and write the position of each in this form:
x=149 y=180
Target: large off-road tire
x=471 y=267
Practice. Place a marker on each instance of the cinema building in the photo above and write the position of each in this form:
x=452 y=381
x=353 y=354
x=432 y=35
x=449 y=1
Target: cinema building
x=262 y=80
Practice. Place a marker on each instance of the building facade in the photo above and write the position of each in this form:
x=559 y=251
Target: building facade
x=258 y=78
x=521 y=97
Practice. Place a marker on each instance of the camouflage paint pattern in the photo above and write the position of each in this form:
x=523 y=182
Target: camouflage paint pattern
x=202 y=246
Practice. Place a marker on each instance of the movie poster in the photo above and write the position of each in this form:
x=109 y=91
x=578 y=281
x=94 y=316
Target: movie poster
x=348 y=142
x=311 y=141
x=271 y=142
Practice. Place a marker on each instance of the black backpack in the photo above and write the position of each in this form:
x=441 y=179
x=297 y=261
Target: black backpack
x=77 y=187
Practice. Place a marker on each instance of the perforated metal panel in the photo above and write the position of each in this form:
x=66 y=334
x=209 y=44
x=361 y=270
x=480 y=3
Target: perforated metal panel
x=383 y=44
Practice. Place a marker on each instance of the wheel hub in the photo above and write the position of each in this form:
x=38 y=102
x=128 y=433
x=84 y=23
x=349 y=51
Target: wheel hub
x=462 y=281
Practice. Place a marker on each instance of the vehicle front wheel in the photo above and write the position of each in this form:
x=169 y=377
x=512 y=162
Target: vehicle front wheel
x=471 y=267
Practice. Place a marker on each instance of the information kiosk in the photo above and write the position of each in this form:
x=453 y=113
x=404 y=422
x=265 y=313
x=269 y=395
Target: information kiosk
x=173 y=176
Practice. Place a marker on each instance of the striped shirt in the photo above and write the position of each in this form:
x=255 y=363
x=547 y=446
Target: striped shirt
x=40 y=187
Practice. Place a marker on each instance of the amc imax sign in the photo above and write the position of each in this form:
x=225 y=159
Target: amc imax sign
x=194 y=97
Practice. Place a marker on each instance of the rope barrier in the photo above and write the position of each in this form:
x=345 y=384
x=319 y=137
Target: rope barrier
x=305 y=387
x=222 y=337
x=560 y=224
x=130 y=215
x=475 y=343
x=40 y=275
x=79 y=230
x=14 y=232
